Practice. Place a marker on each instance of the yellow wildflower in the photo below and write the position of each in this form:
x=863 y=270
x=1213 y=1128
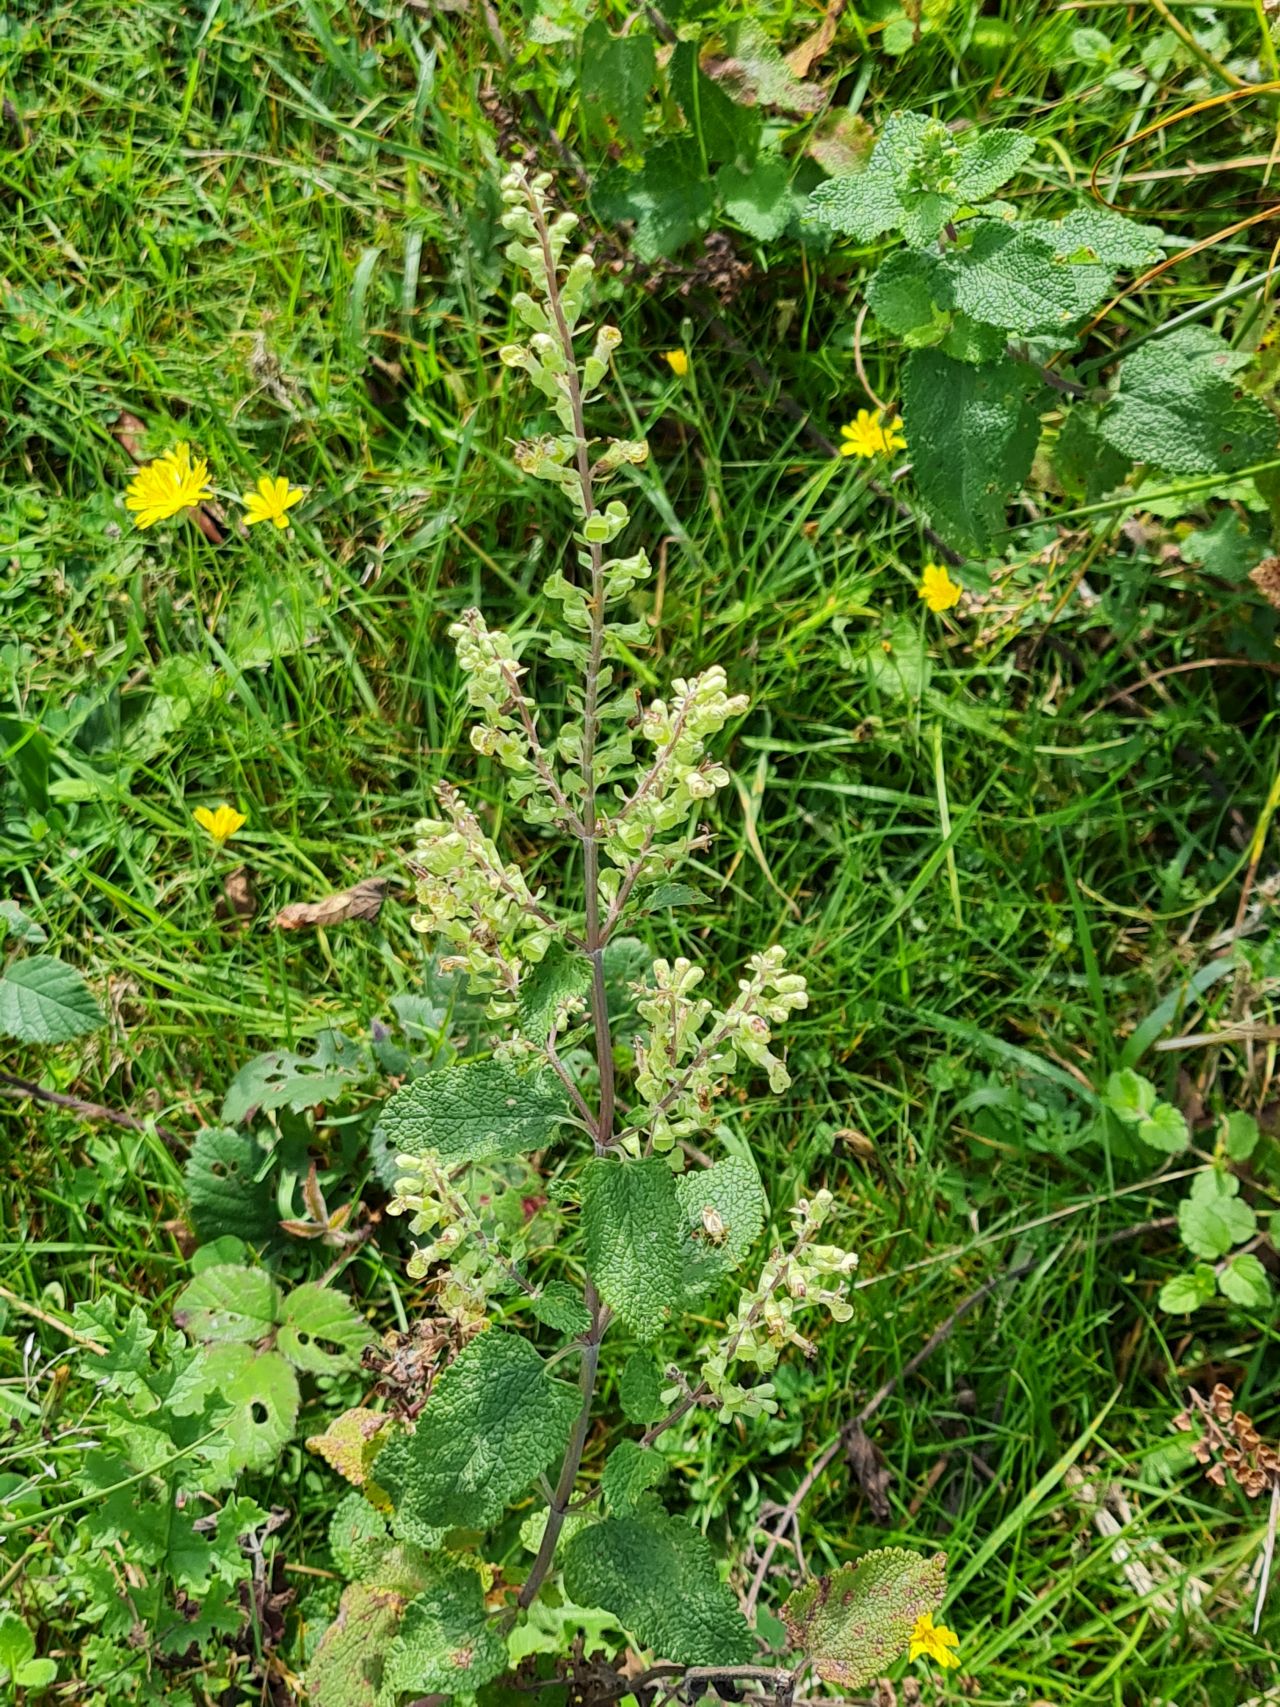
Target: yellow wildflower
x=868 y=434
x=270 y=501
x=167 y=486
x=222 y=823
x=677 y=361
x=937 y=589
x=933 y=1641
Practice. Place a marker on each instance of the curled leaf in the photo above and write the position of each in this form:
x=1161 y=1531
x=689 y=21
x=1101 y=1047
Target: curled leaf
x=362 y=901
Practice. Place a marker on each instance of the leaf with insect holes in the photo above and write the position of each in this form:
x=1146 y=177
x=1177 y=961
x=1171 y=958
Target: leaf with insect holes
x=631 y=1225
x=472 y=1112
x=494 y=1421
x=284 y=1079
x=445 y=1643
x=1244 y=1281
x=640 y=1388
x=224 y=1193
x=972 y=432
x=321 y=1330
x=1187 y=1292
x=1129 y=1096
x=658 y=1577
x=856 y=1622
x=228 y=1302
x=262 y=1393
x=630 y=1472
x=1211 y=1219
x=42 y=1000
x=1165 y=1129
x=1176 y=407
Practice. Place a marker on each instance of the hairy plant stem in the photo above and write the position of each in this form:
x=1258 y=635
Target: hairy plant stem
x=573 y=1452
x=595 y=936
x=594 y=944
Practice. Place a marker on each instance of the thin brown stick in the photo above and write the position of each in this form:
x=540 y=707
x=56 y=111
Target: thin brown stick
x=20 y=1304
x=12 y=1086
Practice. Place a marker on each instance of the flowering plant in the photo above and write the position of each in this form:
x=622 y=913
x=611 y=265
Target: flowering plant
x=644 y=1234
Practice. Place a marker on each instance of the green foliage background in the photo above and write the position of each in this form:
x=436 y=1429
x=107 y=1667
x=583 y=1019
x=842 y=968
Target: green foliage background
x=1009 y=845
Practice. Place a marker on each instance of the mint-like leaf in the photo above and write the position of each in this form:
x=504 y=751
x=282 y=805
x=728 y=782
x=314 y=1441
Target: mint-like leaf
x=1244 y=1281
x=346 y=1669
x=669 y=198
x=657 y=1576
x=545 y=988
x=1187 y=1292
x=1241 y=1136
x=1129 y=1096
x=640 y=1388
x=630 y=1472
x=1176 y=407
x=631 y=1223
x=445 y=1642
x=858 y=1620
x=1008 y=278
x=758 y=199
x=1165 y=1128
x=494 y=1420
x=472 y=1112
x=723 y=1210
x=42 y=1000
x=972 y=433
x=1211 y=1219
x=560 y=1306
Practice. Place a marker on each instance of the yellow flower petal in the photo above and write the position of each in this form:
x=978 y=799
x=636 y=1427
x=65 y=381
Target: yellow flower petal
x=933 y=1641
x=937 y=589
x=273 y=497
x=221 y=823
x=677 y=361
x=868 y=435
x=167 y=487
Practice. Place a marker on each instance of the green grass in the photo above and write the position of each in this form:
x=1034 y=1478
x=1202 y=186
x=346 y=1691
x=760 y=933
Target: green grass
x=198 y=186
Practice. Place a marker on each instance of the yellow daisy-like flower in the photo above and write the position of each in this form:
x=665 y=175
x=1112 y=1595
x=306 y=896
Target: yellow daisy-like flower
x=933 y=1641
x=937 y=589
x=167 y=486
x=270 y=502
x=677 y=361
x=222 y=823
x=869 y=434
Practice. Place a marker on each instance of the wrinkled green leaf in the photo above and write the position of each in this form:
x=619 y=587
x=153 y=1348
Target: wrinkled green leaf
x=42 y=1000
x=560 y=1306
x=972 y=434
x=494 y=1420
x=225 y=1195
x=445 y=1642
x=1176 y=407
x=472 y=1112
x=723 y=1211
x=758 y=199
x=630 y=1472
x=640 y=1388
x=669 y=198
x=657 y=1576
x=858 y=1621
x=631 y=1224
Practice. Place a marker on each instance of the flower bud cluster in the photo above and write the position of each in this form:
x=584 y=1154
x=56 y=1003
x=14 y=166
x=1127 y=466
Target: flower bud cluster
x=680 y=776
x=808 y=1276
x=482 y=906
x=690 y=1047
x=481 y=1248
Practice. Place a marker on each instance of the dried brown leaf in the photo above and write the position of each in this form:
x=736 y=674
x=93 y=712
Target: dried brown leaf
x=802 y=59
x=362 y=901
x=1266 y=578
x=870 y=1470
